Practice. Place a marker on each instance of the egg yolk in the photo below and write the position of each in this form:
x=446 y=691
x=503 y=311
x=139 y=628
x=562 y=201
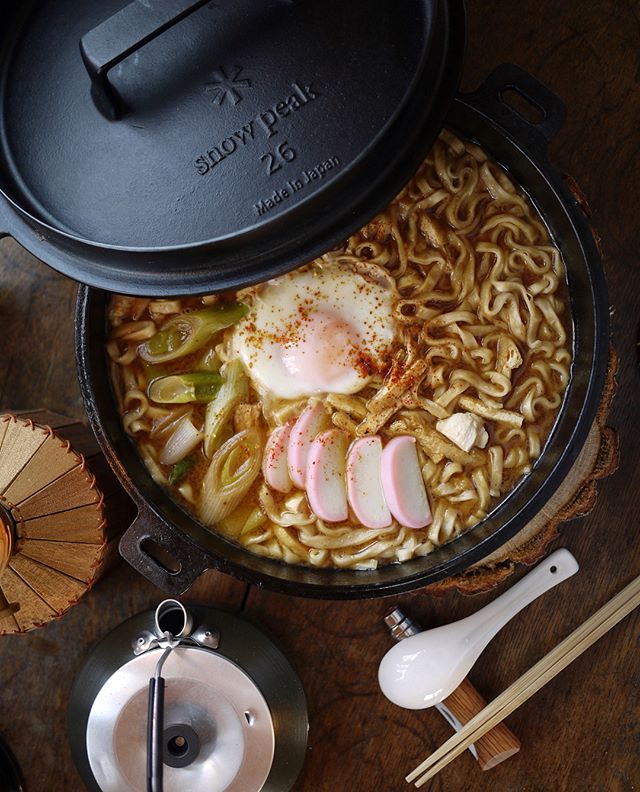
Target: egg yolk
x=324 y=351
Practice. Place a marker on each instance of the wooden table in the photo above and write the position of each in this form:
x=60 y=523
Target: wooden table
x=582 y=731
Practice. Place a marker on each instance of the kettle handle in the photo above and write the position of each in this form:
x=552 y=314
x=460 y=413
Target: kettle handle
x=155 y=727
x=161 y=553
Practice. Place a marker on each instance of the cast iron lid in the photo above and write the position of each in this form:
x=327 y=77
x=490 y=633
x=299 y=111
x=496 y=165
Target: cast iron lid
x=175 y=147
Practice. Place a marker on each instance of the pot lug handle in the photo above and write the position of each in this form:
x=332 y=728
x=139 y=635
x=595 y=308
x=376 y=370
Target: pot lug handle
x=120 y=36
x=156 y=550
x=5 y=220
x=492 y=99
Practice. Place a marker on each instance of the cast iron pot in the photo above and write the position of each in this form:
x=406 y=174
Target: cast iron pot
x=163 y=530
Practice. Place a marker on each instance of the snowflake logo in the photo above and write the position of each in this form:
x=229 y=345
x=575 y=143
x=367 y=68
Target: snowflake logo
x=226 y=85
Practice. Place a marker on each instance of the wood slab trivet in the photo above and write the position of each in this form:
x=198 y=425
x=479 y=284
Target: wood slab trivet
x=575 y=497
x=62 y=510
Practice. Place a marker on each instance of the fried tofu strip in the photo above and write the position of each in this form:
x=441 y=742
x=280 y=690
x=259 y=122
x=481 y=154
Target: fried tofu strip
x=508 y=357
x=414 y=401
x=490 y=413
x=388 y=400
x=246 y=416
x=352 y=405
x=344 y=422
x=435 y=232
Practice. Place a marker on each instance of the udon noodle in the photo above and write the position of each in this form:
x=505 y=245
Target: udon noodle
x=483 y=328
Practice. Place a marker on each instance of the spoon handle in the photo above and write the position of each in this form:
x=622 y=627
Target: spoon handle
x=557 y=567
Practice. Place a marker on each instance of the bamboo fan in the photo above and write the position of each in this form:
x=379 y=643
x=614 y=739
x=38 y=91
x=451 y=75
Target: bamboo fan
x=60 y=510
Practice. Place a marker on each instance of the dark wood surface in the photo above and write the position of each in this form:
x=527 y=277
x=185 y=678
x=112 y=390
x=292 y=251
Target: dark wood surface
x=580 y=732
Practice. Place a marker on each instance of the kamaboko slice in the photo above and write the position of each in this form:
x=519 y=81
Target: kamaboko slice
x=326 y=485
x=274 y=463
x=364 y=484
x=402 y=483
x=312 y=420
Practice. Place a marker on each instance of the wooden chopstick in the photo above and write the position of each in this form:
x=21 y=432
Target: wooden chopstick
x=530 y=682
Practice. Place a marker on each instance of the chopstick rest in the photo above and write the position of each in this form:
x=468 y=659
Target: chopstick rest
x=499 y=743
x=529 y=683
x=461 y=705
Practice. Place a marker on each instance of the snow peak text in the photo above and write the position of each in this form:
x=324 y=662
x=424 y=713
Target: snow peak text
x=266 y=123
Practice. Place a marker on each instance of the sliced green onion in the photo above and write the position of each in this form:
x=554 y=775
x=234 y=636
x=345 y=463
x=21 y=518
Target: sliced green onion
x=209 y=361
x=199 y=386
x=153 y=371
x=188 y=332
x=180 y=469
x=255 y=520
x=245 y=519
x=234 y=389
x=233 y=469
x=181 y=442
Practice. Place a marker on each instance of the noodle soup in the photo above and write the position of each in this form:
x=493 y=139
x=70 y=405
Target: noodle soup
x=373 y=404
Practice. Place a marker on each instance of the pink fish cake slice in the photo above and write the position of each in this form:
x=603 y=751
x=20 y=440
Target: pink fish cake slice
x=326 y=484
x=312 y=420
x=364 y=484
x=275 y=467
x=402 y=483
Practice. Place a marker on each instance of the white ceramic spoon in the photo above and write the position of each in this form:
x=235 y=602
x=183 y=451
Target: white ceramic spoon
x=423 y=670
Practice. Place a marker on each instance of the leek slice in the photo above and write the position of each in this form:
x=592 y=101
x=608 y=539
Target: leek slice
x=198 y=386
x=209 y=361
x=234 y=389
x=153 y=371
x=180 y=469
x=244 y=519
x=233 y=469
x=255 y=520
x=184 y=438
x=188 y=332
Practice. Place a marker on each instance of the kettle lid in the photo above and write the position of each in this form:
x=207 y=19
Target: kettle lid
x=235 y=718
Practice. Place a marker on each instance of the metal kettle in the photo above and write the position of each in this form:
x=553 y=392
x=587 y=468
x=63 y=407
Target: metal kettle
x=187 y=699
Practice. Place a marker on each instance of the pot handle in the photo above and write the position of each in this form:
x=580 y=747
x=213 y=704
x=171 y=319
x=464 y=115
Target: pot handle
x=492 y=99
x=165 y=557
x=120 y=36
x=5 y=220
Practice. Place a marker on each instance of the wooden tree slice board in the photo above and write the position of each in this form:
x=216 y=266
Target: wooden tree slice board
x=575 y=497
x=62 y=509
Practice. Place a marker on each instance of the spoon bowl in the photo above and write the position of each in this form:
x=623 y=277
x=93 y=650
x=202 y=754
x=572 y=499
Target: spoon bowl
x=423 y=670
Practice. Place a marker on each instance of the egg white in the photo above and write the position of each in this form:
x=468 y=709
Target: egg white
x=316 y=330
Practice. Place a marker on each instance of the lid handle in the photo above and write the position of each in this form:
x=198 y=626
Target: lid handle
x=121 y=35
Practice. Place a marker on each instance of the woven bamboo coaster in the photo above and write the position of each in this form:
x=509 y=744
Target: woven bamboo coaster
x=61 y=513
x=575 y=497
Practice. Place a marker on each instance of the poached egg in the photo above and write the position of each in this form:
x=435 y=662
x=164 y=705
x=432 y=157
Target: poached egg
x=323 y=329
